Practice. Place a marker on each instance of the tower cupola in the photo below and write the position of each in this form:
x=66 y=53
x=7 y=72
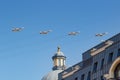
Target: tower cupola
x=59 y=60
x=59 y=66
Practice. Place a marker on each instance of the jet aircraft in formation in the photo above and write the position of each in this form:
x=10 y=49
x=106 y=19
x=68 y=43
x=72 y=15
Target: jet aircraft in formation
x=16 y=29
x=101 y=34
x=73 y=33
x=45 y=32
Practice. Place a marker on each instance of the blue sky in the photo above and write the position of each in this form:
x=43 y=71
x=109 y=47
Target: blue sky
x=26 y=55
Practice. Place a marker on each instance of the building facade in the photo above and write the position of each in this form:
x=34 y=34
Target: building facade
x=101 y=62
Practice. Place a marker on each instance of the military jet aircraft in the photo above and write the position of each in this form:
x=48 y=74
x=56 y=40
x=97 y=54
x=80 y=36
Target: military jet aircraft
x=73 y=33
x=17 y=29
x=45 y=32
x=101 y=34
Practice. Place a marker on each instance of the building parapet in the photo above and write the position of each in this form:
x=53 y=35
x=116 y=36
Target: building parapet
x=70 y=71
x=74 y=69
x=95 y=51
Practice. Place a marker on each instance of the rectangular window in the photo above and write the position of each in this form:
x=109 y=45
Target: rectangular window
x=83 y=77
x=76 y=78
x=95 y=66
x=102 y=63
x=89 y=76
x=118 y=54
x=101 y=78
x=110 y=57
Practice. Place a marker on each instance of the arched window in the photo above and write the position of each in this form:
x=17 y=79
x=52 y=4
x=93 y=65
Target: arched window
x=117 y=72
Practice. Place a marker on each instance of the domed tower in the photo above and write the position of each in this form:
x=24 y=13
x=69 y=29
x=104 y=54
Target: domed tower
x=59 y=60
x=59 y=66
